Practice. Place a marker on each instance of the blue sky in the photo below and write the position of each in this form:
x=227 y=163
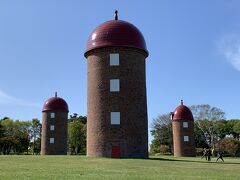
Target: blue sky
x=194 y=51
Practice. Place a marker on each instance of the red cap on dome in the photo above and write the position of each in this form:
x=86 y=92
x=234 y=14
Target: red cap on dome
x=55 y=103
x=182 y=113
x=116 y=33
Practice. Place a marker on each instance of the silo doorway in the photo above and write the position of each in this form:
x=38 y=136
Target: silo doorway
x=116 y=152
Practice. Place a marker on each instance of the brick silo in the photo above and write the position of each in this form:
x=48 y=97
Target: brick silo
x=117 y=124
x=183 y=131
x=54 y=127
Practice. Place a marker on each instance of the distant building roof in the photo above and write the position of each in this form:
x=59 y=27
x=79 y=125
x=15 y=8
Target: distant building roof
x=55 y=103
x=182 y=113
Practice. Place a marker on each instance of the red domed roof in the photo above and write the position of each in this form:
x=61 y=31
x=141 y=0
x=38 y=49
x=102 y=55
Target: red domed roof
x=116 y=33
x=182 y=113
x=55 y=103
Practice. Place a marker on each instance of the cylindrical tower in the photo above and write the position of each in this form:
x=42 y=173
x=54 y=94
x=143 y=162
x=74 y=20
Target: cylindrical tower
x=54 y=127
x=183 y=131
x=117 y=124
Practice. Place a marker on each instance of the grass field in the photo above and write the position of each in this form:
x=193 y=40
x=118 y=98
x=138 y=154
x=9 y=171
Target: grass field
x=81 y=167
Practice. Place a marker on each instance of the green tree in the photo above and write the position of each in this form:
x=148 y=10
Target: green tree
x=77 y=134
x=199 y=138
x=1 y=130
x=222 y=128
x=15 y=137
x=8 y=144
x=236 y=129
x=161 y=132
x=205 y=118
x=35 y=135
x=21 y=133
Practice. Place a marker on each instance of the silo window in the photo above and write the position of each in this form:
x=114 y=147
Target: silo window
x=115 y=118
x=185 y=138
x=52 y=115
x=114 y=59
x=52 y=127
x=185 y=124
x=51 y=140
x=114 y=85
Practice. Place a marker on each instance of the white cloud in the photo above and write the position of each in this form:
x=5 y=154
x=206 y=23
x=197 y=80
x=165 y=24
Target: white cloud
x=229 y=46
x=7 y=99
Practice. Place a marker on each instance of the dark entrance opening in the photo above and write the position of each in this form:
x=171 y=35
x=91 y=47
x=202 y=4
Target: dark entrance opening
x=116 y=152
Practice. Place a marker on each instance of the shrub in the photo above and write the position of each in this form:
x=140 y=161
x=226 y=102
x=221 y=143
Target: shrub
x=162 y=149
x=229 y=146
x=154 y=149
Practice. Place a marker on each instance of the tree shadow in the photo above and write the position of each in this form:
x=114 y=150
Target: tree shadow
x=191 y=161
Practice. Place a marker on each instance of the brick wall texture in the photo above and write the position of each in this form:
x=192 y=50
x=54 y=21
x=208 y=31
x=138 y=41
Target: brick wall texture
x=59 y=134
x=182 y=148
x=132 y=133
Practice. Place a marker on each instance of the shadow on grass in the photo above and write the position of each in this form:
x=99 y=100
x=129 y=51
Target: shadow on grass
x=184 y=160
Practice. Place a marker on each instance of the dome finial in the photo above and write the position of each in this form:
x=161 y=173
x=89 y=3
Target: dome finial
x=181 y=102
x=116 y=15
x=56 y=94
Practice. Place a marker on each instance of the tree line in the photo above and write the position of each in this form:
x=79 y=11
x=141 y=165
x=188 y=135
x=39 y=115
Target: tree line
x=211 y=130
x=24 y=137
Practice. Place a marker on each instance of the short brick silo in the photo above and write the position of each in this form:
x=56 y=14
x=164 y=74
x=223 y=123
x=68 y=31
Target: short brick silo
x=54 y=127
x=117 y=124
x=183 y=131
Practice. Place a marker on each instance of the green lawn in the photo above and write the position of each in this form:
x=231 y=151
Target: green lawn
x=80 y=167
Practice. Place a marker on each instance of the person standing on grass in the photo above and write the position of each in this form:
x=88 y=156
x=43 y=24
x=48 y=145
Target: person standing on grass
x=219 y=156
x=209 y=154
x=204 y=153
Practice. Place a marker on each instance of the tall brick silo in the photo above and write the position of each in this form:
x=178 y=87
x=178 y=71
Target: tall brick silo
x=54 y=127
x=117 y=124
x=183 y=131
